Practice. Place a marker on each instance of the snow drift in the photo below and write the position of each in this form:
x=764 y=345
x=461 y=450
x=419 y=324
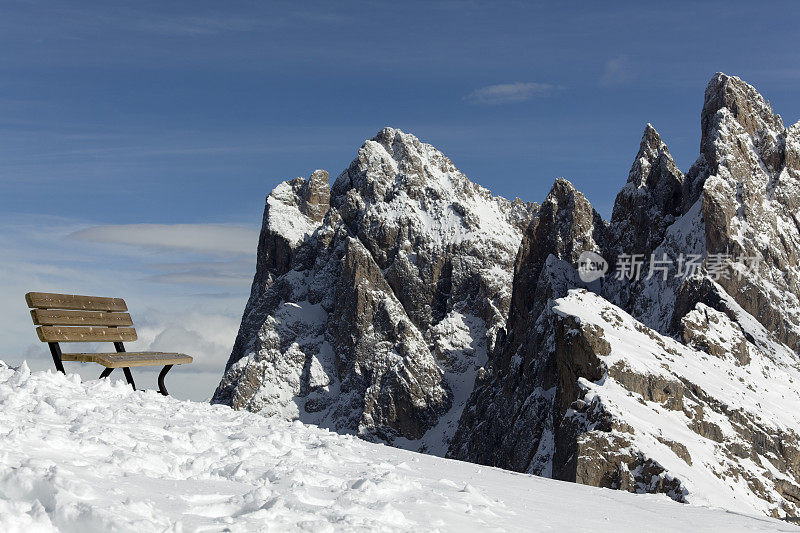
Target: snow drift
x=97 y=456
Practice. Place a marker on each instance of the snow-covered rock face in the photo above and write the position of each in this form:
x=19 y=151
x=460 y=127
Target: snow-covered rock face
x=751 y=201
x=375 y=302
x=716 y=425
x=661 y=384
x=508 y=420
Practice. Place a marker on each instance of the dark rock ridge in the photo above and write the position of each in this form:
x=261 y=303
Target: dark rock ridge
x=408 y=305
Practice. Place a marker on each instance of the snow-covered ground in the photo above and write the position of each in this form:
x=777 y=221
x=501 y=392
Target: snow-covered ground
x=95 y=456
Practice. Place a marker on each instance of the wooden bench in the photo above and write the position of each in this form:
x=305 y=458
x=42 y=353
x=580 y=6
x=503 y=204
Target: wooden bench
x=72 y=318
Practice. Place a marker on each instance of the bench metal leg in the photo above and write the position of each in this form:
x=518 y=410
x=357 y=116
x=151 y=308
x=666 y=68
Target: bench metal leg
x=107 y=372
x=129 y=377
x=161 y=387
x=55 y=351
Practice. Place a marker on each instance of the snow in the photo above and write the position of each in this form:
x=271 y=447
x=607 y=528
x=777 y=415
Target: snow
x=765 y=391
x=285 y=218
x=96 y=456
x=451 y=210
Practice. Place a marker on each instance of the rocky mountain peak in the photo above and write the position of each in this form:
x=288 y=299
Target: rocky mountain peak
x=292 y=212
x=651 y=199
x=651 y=145
x=743 y=101
x=749 y=192
x=315 y=195
x=733 y=107
x=654 y=166
x=393 y=161
x=562 y=190
x=567 y=224
x=376 y=301
x=735 y=120
x=399 y=144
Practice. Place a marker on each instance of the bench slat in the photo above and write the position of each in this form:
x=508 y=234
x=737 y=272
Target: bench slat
x=79 y=357
x=118 y=360
x=59 y=317
x=85 y=334
x=46 y=300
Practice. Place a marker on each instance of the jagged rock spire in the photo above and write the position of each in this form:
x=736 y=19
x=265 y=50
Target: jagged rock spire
x=650 y=200
x=745 y=104
x=538 y=406
x=566 y=225
x=524 y=365
x=733 y=107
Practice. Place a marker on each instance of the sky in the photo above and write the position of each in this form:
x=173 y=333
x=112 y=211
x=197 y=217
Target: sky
x=138 y=140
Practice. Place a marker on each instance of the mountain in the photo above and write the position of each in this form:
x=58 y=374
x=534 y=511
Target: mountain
x=376 y=300
x=685 y=383
x=407 y=305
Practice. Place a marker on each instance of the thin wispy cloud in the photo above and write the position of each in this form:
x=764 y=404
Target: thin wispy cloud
x=214 y=239
x=510 y=93
x=215 y=23
x=204 y=277
x=618 y=71
x=194 y=25
x=230 y=272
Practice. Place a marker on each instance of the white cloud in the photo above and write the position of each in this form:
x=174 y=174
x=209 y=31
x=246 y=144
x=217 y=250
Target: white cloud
x=215 y=239
x=509 y=93
x=617 y=71
x=205 y=335
x=183 y=312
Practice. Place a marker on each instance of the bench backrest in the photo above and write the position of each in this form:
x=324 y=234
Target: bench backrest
x=73 y=318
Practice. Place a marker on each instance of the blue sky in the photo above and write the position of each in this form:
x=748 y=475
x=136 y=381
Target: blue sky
x=187 y=114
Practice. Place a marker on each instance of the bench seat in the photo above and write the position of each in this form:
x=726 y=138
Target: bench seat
x=129 y=359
